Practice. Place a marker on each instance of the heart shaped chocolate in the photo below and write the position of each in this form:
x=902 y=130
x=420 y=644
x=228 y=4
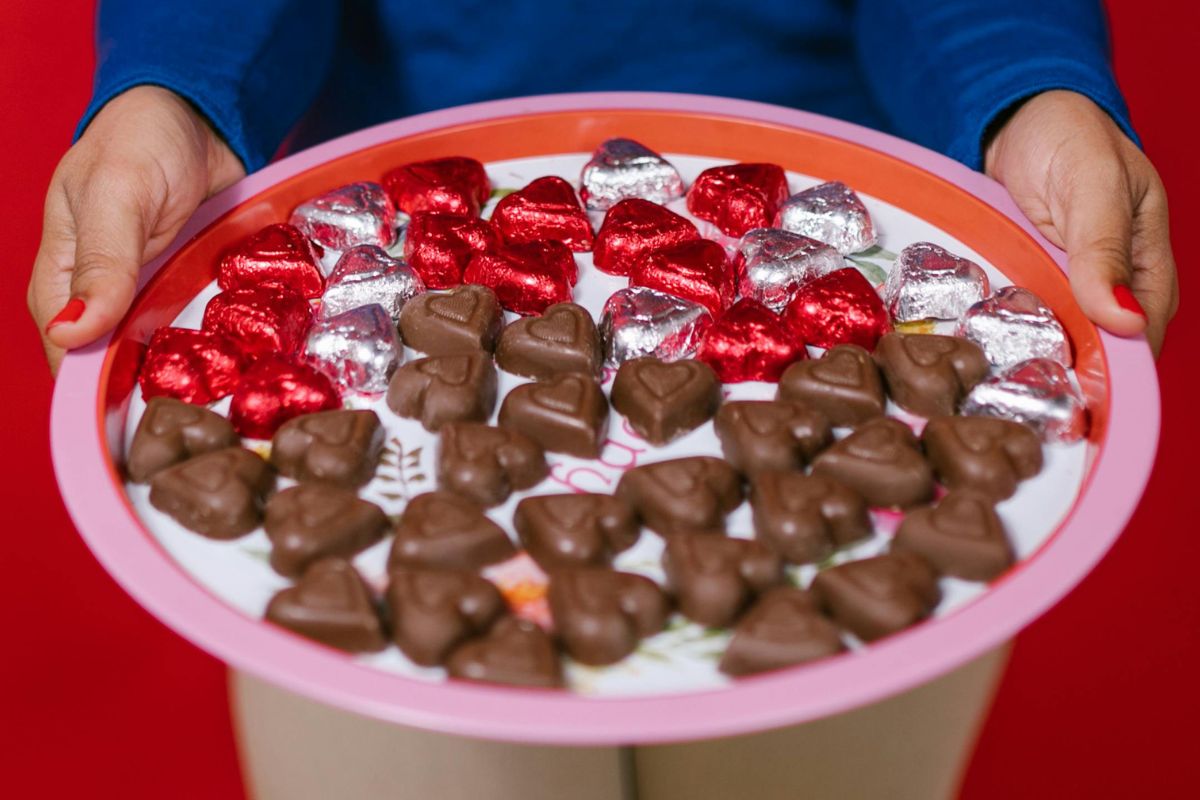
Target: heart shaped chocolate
x=358 y=213
x=982 y=453
x=841 y=307
x=515 y=651
x=564 y=530
x=171 y=431
x=261 y=320
x=929 y=374
x=750 y=343
x=881 y=461
x=843 y=384
x=563 y=339
x=193 y=366
x=663 y=401
x=278 y=256
x=961 y=536
x=804 y=517
x=453 y=185
x=546 y=209
x=486 y=464
x=278 y=388
x=697 y=270
x=738 y=197
x=527 y=277
x=218 y=494
x=313 y=520
x=564 y=414
x=330 y=604
x=439 y=246
x=714 y=578
x=442 y=389
x=773 y=264
x=462 y=320
x=1037 y=392
x=782 y=629
x=634 y=227
x=760 y=435
x=1013 y=325
x=682 y=495
x=435 y=610
x=365 y=275
x=930 y=282
x=637 y=321
x=359 y=349
x=338 y=447
x=621 y=169
x=830 y=213
x=601 y=615
x=878 y=596
x=446 y=531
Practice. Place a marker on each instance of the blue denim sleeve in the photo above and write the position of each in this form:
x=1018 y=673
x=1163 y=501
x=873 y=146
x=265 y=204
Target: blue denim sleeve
x=251 y=67
x=944 y=70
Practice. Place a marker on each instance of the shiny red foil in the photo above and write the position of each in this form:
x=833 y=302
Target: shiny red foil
x=738 y=197
x=839 y=308
x=265 y=320
x=189 y=365
x=634 y=227
x=275 y=389
x=278 y=255
x=750 y=343
x=527 y=278
x=699 y=271
x=453 y=185
x=547 y=208
x=439 y=246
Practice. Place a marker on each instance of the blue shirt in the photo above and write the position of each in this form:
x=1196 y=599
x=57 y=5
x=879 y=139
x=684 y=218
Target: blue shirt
x=938 y=72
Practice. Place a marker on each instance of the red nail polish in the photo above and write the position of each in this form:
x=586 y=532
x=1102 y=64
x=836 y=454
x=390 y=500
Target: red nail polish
x=1127 y=301
x=71 y=312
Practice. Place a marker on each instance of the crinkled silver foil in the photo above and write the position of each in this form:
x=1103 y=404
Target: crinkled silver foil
x=1013 y=325
x=778 y=262
x=366 y=275
x=358 y=213
x=930 y=282
x=360 y=349
x=830 y=213
x=638 y=321
x=623 y=168
x=1037 y=392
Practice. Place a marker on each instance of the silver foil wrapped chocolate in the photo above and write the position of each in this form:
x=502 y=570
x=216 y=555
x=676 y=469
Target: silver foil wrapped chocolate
x=1012 y=325
x=623 y=168
x=930 y=282
x=831 y=213
x=366 y=275
x=359 y=349
x=638 y=321
x=358 y=213
x=1037 y=392
x=775 y=263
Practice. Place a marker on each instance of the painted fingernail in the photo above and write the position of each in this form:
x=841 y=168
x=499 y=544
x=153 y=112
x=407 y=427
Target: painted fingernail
x=71 y=312
x=1127 y=301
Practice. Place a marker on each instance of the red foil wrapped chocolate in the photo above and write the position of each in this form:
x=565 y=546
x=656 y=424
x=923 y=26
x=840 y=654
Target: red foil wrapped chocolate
x=193 y=366
x=263 y=320
x=839 y=308
x=547 y=208
x=278 y=255
x=275 y=389
x=699 y=271
x=634 y=227
x=738 y=197
x=453 y=185
x=750 y=343
x=439 y=246
x=527 y=278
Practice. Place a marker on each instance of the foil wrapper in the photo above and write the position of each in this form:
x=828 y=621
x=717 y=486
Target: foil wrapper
x=738 y=197
x=637 y=321
x=358 y=213
x=930 y=282
x=699 y=271
x=439 y=246
x=278 y=255
x=775 y=263
x=452 y=185
x=623 y=168
x=831 y=213
x=1013 y=325
x=1037 y=392
x=278 y=388
x=527 y=278
x=365 y=275
x=839 y=308
x=358 y=349
x=749 y=343
x=259 y=321
x=634 y=227
x=546 y=208
x=193 y=366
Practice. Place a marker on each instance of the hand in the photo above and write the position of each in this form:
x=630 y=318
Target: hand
x=117 y=199
x=1089 y=190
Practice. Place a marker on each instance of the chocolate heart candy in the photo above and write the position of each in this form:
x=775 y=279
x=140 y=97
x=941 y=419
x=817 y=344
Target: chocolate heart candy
x=982 y=453
x=697 y=270
x=637 y=321
x=738 y=197
x=443 y=530
x=683 y=494
x=260 y=320
x=623 y=168
x=1014 y=325
x=218 y=494
x=782 y=629
x=749 y=342
x=930 y=282
x=830 y=213
x=487 y=464
x=1037 y=392
x=515 y=651
x=962 y=536
x=440 y=246
x=545 y=209
x=634 y=227
x=462 y=320
x=563 y=339
x=878 y=596
x=841 y=307
x=929 y=374
x=774 y=264
x=435 y=610
x=563 y=530
x=314 y=520
x=171 y=431
x=527 y=277
x=713 y=578
x=339 y=447
x=192 y=366
x=330 y=604
x=882 y=462
x=453 y=185
x=358 y=213
x=804 y=517
x=276 y=389
x=278 y=256
x=663 y=401
x=843 y=384
x=758 y=435
x=442 y=389
x=365 y=275
x=601 y=615
x=359 y=349
x=564 y=414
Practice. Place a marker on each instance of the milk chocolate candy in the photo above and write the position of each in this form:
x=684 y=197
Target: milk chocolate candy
x=961 y=536
x=714 y=578
x=442 y=389
x=564 y=414
x=563 y=339
x=843 y=384
x=171 y=431
x=462 y=320
x=663 y=401
x=989 y=455
x=804 y=517
x=758 y=435
x=566 y=530
x=929 y=374
x=878 y=596
x=683 y=494
x=782 y=629
x=601 y=615
x=487 y=464
x=313 y=520
x=435 y=610
x=340 y=447
x=218 y=494
x=882 y=462
x=330 y=604
x=515 y=651
x=443 y=530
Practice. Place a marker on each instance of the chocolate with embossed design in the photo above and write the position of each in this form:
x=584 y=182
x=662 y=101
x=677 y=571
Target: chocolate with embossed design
x=804 y=517
x=760 y=435
x=878 y=596
x=983 y=453
x=313 y=520
x=330 y=604
x=600 y=615
x=782 y=629
x=683 y=494
x=171 y=431
x=463 y=320
x=880 y=460
x=443 y=530
x=442 y=389
x=843 y=384
x=664 y=401
x=218 y=494
x=570 y=530
x=929 y=374
x=486 y=464
x=563 y=339
x=340 y=447
x=435 y=610
x=564 y=414
x=714 y=578
x=515 y=651
x=961 y=536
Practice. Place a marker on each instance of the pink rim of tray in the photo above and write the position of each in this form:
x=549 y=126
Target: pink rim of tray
x=1110 y=493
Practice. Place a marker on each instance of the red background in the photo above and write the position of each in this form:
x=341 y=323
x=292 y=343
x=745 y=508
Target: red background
x=100 y=700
